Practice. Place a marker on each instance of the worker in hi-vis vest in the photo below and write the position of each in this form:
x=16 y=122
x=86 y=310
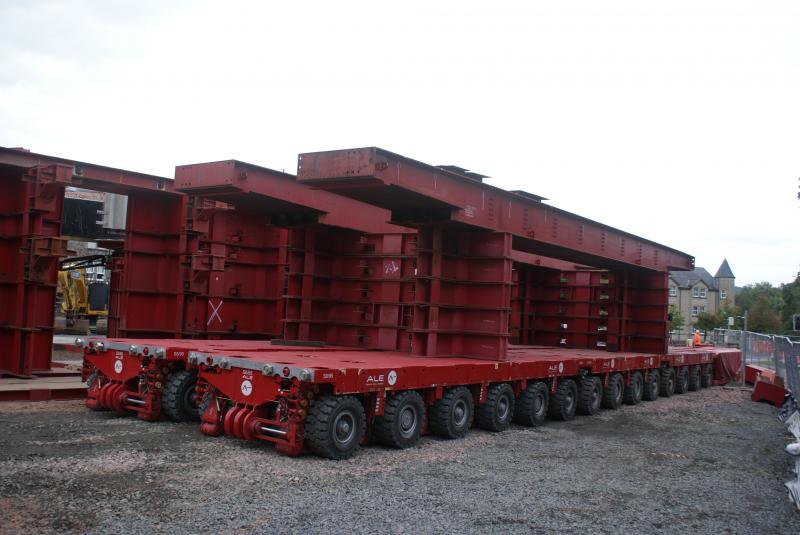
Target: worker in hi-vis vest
x=696 y=337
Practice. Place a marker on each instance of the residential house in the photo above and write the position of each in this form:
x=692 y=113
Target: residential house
x=694 y=292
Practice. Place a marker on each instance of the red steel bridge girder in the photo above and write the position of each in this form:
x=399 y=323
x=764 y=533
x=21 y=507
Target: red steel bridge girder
x=414 y=191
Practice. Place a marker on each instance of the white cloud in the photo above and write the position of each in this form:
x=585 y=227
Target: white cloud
x=677 y=122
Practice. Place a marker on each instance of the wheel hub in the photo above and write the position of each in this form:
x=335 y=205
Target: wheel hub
x=460 y=412
x=502 y=408
x=408 y=421
x=343 y=428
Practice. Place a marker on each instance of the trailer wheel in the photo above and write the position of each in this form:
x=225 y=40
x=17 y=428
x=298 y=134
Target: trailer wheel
x=635 y=389
x=531 y=406
x=591 y=395
x=707 y=376
x=667 y=383
x=496 y=412
x=564 y=401
x=179 y=400
x=451 y=416
x=335 y=426
x=652 y=386
x=401 y=423
x=694 y=378
x=682 y=380
x=612 y=394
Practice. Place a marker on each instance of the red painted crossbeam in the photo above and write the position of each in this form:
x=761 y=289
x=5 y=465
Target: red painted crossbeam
x=418 y=192
x=280 y=193
x=87 y=175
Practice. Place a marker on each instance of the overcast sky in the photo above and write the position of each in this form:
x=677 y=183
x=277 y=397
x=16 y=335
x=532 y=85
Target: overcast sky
x=678 y=121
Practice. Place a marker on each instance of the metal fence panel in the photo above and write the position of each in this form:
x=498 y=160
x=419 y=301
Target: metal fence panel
x=775 y=352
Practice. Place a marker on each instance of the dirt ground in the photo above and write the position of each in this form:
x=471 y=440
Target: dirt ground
x=703 y=462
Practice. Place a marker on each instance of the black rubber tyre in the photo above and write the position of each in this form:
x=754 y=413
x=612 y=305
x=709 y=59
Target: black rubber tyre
x=564 y=402
x=335 y=426
x=694 y=378
x=706 y=376
x=666 y=385
x=682 y=380
x=496 y=412
x=591 y=395
x=613 y=392
x=179 y=399
x=451 y=416
x=634 y=390
x=402 y=421
x=652 y=386
x=531 y=406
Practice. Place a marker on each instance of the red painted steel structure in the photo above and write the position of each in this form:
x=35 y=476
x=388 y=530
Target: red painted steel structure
x=30 y=242
x=463 y=293
x=146 y=284
x=438 y=200
x=416 y=192
x=347 y=268
x=465 y=276
x=350 y=288
x=235 y=271
x=288 y=202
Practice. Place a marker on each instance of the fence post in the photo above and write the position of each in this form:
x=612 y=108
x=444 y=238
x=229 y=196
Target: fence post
x=775 y=355
x=745 y=340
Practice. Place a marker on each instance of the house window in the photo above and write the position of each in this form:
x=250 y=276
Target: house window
x=695 y=292
x=702 y=310
x=723 y=294
x=694 y=312
x=673 y=291
x=703 y=293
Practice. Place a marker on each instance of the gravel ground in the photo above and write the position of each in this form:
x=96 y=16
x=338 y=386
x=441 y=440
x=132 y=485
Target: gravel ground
x=704 y=462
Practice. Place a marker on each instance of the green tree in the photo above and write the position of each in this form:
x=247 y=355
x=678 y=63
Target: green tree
x=678 y=321
x=764 y=305
x=791 y=301
x=708 y=321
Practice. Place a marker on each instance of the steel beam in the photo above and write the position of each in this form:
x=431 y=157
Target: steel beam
x=281 y=195
x=418 y=192
x=88 y=175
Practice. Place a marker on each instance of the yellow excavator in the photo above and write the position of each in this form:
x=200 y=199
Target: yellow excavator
x=82 y=302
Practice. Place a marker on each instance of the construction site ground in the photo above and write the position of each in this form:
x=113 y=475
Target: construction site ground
x=703 y=462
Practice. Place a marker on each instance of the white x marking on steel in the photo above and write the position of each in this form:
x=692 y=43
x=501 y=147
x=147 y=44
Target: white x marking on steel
x=214 y=312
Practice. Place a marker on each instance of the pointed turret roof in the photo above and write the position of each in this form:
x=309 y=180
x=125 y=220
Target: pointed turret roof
x=724 y=271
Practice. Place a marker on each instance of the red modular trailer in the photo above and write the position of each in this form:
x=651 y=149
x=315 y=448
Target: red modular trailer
x=153 y=377
x=333 y=402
